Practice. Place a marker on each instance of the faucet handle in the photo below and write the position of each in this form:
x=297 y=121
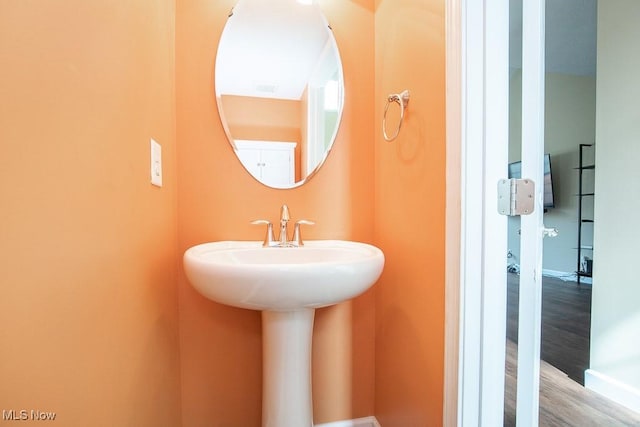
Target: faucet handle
x=268 y=238
x=297 y=237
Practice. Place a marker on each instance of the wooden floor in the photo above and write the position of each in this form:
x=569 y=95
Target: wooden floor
x=566 y=320
x=566 y=323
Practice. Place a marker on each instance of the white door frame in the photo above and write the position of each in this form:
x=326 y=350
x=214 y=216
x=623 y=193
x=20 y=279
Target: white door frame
x=477 y=152
x=484 y=145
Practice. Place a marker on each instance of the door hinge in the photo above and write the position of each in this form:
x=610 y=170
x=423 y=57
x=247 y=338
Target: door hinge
x=516 y=196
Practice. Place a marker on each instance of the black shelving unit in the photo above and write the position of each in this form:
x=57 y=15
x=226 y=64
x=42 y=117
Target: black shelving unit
x=585 y=195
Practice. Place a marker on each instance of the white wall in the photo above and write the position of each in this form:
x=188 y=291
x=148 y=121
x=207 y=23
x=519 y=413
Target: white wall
x=615 y=321
x=569 y=121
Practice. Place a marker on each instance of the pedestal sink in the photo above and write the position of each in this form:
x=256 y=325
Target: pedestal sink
x=287 y=284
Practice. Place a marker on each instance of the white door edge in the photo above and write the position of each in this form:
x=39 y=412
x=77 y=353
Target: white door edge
x=530 y=287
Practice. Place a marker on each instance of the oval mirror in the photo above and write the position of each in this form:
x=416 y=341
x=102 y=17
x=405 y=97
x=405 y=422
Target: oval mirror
x=279 y=88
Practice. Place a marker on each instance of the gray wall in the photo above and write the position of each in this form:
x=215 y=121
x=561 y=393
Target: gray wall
x=569 y=121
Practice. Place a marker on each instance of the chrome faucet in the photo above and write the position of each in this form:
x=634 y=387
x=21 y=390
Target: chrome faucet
x=284 y=220
x=282 y=241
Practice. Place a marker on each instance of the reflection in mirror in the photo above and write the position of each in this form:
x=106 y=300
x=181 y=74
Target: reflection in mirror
x=279 y=88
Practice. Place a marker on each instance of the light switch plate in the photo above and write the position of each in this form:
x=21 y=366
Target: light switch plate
x=156 y=163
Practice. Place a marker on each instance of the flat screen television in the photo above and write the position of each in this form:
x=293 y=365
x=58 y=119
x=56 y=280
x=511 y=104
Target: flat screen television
x=515 y=171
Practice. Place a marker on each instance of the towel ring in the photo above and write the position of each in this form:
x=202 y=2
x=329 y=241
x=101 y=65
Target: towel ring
x=403 y=101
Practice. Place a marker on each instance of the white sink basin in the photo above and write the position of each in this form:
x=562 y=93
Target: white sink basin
x=287 y=285
x=245 y=274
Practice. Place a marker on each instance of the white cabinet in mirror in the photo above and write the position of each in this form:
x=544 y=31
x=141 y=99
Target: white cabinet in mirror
x=278 y=77
x=270 y=162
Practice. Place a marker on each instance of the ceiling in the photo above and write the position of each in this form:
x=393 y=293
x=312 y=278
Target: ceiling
x=270 y=48
x=570 y=36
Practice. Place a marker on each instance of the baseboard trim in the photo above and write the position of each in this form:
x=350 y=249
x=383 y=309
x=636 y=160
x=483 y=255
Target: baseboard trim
x=566 y=276
x=358 y=422
x=562 y=275
x=612 y=389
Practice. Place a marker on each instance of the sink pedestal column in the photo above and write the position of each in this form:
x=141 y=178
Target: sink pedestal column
x=286 y=369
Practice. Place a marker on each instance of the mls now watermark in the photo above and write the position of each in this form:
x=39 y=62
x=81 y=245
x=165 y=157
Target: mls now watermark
x=27 y=415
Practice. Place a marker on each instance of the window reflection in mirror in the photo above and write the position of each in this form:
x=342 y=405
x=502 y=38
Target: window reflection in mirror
x=279 y=88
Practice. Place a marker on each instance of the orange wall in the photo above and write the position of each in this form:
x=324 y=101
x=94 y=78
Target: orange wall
x=221 y=346
x=88 y=246
x=409 y=214
x=88 y=260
